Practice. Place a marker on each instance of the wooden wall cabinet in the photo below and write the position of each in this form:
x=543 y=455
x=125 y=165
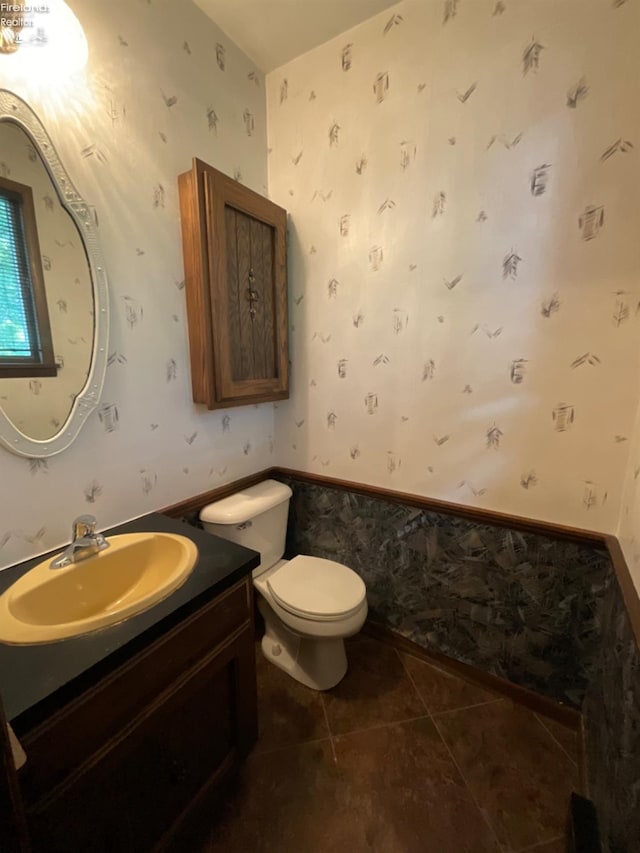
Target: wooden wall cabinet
x=234 y=246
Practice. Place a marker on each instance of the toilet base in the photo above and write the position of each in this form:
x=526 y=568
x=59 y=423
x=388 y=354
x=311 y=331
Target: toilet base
x=319 y=663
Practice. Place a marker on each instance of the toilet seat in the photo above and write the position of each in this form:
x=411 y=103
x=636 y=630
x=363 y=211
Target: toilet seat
x=315 y=588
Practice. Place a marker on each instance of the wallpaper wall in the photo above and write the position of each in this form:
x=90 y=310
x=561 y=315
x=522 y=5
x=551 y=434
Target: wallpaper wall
x=462 y=180
x=39 y=406
x=463 y=264
x=163 y=84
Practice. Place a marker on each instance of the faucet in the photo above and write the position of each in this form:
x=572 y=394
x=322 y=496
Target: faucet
x=85 y=542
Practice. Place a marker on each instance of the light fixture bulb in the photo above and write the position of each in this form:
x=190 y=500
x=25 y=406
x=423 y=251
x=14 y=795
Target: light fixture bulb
x=10 y=29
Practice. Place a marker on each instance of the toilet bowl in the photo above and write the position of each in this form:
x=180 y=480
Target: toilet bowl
x=309 y=604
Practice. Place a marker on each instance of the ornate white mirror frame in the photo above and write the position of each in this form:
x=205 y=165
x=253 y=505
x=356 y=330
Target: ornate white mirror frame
x=13 y=108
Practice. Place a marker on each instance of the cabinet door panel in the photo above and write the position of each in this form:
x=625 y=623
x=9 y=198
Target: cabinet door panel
x=131 y=794
x=245 y=342
x=238 y=367
x=249 y=294
x=264 y=333
x=61 y=744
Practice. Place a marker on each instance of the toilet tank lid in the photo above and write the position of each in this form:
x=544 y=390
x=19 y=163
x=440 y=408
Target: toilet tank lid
x=238 y=508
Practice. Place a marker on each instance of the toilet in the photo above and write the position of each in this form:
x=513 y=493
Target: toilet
x=309 y=604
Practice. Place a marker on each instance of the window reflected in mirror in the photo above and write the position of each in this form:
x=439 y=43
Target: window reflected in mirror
x=25 y=331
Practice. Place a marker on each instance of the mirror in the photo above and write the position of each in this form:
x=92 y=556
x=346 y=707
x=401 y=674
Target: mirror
x=41 y=415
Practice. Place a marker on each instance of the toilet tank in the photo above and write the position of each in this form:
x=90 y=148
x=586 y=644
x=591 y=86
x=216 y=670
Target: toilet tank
x=255 y=517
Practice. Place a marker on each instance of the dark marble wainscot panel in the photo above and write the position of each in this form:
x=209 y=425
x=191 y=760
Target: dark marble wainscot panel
x=518 y=605
x=612 y=729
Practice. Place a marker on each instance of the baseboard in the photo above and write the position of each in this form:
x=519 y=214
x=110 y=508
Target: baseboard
x=563 y=714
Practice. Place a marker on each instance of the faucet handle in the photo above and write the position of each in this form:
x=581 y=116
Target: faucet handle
x=83 y=525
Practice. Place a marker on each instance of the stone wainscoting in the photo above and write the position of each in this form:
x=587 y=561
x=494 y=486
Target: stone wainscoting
x=542 y=611
x=515 y=604
x=611 y=714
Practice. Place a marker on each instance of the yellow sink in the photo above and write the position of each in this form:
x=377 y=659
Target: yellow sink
x=135 y=572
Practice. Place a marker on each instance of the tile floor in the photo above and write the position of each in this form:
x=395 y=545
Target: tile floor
x=399 y=757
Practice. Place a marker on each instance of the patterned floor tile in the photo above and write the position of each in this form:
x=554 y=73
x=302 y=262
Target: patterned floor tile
x=286 y=801
x=517 y=773
x=482 y=775
x=393 y=789
x=288 y=712
x=442 y=691
x=407 y=794
x=376 y=689
x=568 y=739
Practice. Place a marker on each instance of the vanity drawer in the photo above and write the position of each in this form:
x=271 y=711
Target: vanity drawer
x=67 y=740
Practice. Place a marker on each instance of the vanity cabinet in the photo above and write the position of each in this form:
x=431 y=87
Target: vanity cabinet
x=234 y=246
x=121 y=766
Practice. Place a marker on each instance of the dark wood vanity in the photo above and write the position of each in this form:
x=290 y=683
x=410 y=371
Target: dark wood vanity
x=120 y=757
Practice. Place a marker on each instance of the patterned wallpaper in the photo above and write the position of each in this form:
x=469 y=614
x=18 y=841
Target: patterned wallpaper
x=462 y=178
x=163 y=84
x=39 y=406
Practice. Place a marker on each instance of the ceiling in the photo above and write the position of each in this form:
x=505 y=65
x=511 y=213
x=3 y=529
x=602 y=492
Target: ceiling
x=271 y=32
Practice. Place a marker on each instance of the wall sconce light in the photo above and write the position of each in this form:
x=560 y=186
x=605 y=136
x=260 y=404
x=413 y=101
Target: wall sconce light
x=44 y=39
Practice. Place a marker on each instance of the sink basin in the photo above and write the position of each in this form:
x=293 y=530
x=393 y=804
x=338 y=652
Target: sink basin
x=135 y=572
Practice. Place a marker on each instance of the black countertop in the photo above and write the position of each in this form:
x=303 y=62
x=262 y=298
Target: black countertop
x=35 y=679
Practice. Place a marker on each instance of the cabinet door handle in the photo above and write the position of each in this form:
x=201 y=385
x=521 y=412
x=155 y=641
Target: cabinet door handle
x=252 y=295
